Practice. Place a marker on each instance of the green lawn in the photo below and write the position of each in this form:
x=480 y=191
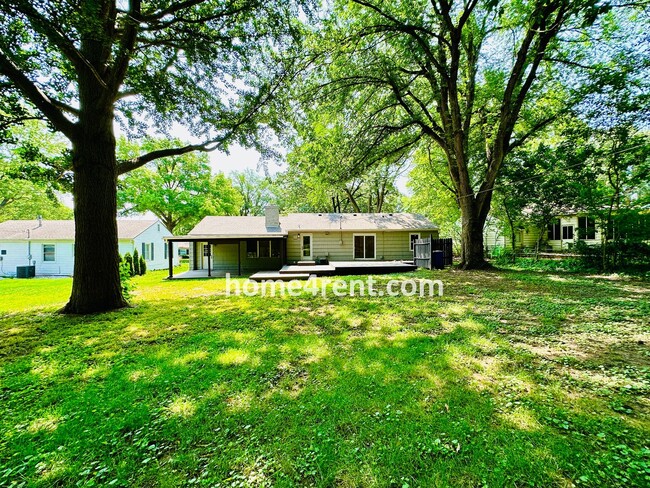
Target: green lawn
x=510 y=379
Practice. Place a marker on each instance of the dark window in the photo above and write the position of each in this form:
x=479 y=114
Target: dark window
x=567 y=232
x=586 y=228
x=49 y=252
x=358 y=247
x=251 y=248
x=276 y=249
x=364 y=247
x=3 y=252
x=206 y=249
x=264 y=249
x=554 y=230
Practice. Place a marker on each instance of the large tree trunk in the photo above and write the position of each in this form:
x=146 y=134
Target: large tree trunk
x=96 y=283
x=473 y=221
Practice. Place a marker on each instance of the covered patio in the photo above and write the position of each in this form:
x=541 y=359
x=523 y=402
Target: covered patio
x=212 y=256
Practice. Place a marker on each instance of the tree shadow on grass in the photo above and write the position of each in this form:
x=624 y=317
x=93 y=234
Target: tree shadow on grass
x=300 y=391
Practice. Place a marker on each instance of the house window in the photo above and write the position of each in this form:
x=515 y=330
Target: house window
x=554 y=230
x=206 y=249
x=275 y=249
x=567 y=233
x=364 y=246
x=586 y=228
x=147 y=251
x=251 y=248
x=413 y=238
x=165 y=250
x=263 y=248
x=49 y=252
x=151 y=252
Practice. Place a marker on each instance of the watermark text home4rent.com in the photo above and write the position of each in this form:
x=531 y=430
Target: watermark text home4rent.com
x=360 y=287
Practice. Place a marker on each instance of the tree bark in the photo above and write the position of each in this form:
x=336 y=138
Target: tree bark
x=96 y=285
x=473 y=221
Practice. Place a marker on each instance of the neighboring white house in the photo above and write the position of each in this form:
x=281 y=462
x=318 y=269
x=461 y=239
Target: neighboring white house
x=560 y=234
x=49 y=244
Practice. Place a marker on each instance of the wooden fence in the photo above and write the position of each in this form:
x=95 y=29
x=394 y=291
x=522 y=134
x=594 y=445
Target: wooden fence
x=423 y=250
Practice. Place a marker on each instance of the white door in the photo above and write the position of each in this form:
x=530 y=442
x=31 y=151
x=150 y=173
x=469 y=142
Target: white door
x=205 y=252
x=307 y=245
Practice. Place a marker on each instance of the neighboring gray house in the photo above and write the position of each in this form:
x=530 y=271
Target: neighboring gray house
x=49 y=244
x=241 y=245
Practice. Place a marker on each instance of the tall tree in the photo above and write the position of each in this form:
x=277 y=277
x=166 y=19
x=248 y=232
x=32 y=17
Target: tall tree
x=325 y=173
x=255 y=191
x=33 y=170
x=476 y=78
x=179 y=190
x=80 y=64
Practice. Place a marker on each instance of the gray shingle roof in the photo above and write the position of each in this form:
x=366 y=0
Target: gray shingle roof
x=255 y=226
x=64 y=229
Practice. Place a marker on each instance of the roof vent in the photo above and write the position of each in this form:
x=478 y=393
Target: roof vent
x=390 y=215
x=354 y=215
x=320 y=214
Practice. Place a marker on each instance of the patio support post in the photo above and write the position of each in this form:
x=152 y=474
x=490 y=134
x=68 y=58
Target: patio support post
x=209 y=263
x=170 y=256
x=239 y=257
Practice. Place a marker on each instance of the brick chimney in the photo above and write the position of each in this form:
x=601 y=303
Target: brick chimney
x=272 y=215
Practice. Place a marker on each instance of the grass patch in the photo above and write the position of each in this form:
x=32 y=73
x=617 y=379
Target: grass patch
x=512 y=378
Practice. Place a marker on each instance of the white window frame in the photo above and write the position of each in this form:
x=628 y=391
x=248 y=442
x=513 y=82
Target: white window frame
x=53 y=252
x=573 y=233
x=364 y=247
x=411 y=239
x=311 y=246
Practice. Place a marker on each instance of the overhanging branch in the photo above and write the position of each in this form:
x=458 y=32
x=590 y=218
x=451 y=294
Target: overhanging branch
x=131 y=164
x=47 y=106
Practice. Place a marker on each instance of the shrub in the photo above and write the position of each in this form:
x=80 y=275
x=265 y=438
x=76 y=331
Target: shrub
x=505 y=256
x=136 y=263
x=126 y=268
x=620 y=254
x=128 y=260
x=143 y=266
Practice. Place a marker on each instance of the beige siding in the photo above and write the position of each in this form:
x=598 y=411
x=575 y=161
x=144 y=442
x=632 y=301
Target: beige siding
x=338 y=246
x=224 y=259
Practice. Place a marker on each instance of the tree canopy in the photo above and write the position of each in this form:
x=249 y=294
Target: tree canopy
x=83 y=65
x=477 y=79
x=179 y=190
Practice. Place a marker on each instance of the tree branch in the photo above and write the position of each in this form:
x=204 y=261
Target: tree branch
x=127 y=44
x=131 y=164
x=43 y=26
x=42 y=102
x=538 y=126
